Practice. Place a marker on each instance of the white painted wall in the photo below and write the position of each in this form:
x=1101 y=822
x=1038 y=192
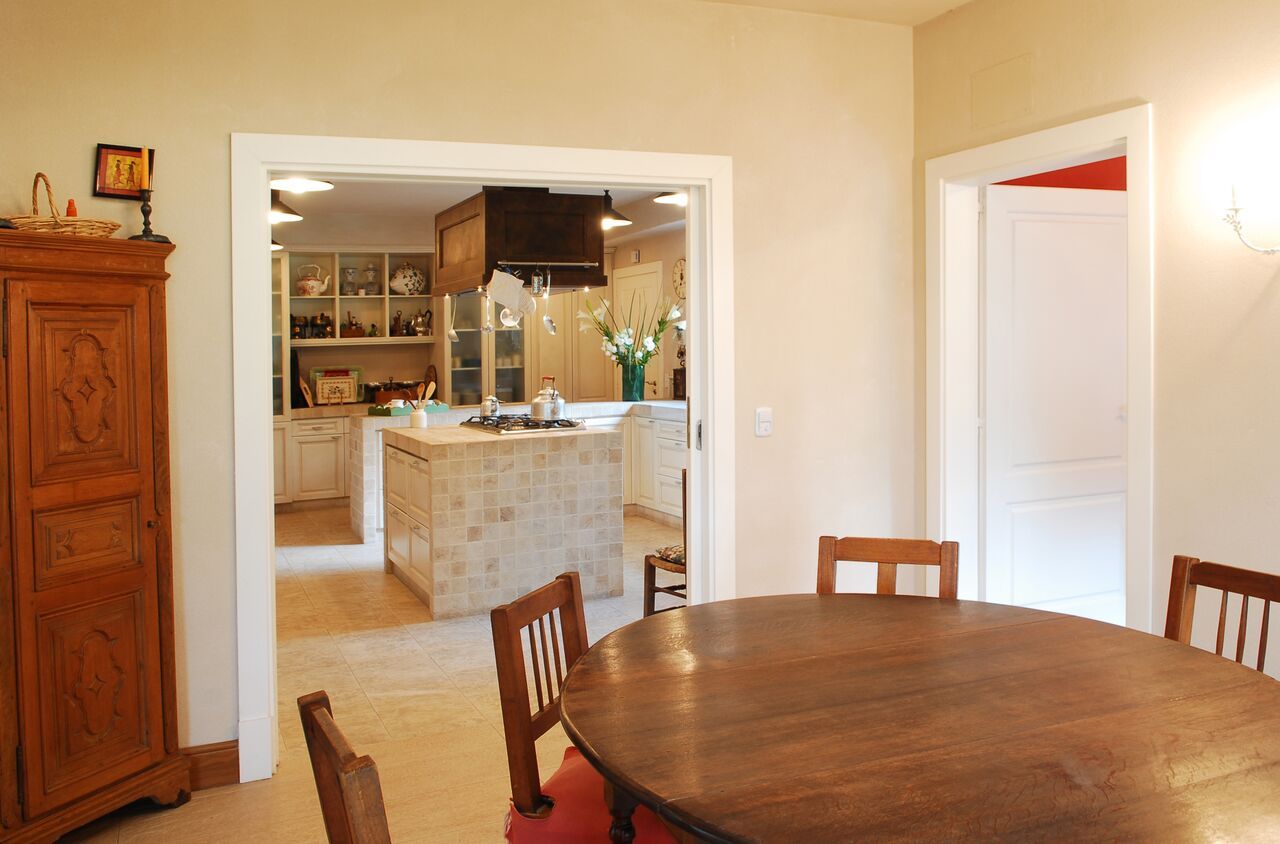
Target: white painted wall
x=816 y=112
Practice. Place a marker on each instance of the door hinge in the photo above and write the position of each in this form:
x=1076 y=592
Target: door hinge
x=21 y=777
x=698 y=436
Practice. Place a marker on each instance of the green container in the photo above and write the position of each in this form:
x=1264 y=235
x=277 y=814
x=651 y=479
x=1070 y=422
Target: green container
x=632 y=381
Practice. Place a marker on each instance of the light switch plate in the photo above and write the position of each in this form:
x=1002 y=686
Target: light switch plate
x=764 y=421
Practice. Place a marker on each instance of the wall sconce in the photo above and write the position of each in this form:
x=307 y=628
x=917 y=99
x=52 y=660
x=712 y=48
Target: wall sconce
x=1232 y=219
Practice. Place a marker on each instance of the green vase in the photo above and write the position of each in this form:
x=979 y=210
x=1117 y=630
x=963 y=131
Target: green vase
x=632 y=381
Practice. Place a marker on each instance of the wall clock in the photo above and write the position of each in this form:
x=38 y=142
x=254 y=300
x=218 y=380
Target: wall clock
x=678 y=278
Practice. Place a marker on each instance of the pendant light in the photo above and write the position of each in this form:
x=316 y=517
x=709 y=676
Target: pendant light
x=611 y=219
x=672 y=198
x=281 y=213
x=276 y=247
x=300 y=184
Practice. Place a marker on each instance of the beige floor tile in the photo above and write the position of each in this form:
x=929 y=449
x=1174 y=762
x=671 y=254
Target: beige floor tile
x=418 y=696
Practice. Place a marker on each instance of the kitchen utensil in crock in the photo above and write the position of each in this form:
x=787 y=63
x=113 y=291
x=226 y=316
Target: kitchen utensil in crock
x=431 y=391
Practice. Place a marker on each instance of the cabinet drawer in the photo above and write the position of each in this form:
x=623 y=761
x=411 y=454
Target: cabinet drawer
x=671 y=431
x=311 y=427
x=669 y=499
x=671 y=458
x=418 y=503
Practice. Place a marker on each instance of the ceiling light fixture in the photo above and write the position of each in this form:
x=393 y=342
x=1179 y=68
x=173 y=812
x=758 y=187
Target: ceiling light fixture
x=611 y=219
x=281 y=213
x=300 y=184
x=276 y=247
x=672 y=198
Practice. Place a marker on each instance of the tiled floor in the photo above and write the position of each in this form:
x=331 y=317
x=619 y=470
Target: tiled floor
x=418 y=696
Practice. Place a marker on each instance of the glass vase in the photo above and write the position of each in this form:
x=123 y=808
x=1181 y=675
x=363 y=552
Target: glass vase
x=632 y=381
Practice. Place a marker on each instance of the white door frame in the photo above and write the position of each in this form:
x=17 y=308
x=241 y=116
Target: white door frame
x=254 y=157
x=953 y=339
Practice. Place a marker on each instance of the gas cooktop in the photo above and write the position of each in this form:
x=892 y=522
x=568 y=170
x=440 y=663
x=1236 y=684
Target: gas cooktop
x=521 y=423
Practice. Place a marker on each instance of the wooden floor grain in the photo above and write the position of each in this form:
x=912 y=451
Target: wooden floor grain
x=418 y=696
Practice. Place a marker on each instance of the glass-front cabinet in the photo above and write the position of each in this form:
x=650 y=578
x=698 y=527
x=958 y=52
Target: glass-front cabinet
x=279 y=360
x=483 y=363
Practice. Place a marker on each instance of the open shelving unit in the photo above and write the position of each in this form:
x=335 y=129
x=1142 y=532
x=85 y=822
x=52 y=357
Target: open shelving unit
x=348 y=273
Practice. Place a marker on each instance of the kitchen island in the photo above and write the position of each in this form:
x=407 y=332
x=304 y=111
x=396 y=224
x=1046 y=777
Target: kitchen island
x=475 y=519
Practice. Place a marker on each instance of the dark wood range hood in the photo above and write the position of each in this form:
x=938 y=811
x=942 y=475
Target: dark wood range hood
x=519 y=226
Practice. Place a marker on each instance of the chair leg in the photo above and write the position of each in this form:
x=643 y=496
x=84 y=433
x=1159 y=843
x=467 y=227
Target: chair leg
x=650 y=572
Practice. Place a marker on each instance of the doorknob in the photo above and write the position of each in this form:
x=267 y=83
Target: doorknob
x=152 y=523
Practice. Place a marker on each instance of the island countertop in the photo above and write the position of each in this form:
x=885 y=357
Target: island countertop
x=418 y=440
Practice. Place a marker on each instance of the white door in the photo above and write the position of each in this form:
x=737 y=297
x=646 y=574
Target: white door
x=1054 y=400
x=636 y=290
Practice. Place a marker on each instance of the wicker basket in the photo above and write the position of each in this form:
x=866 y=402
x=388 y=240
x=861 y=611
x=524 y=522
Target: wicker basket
x=55 y=224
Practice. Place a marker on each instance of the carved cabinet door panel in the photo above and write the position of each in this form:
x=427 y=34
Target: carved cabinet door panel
x=86 y=526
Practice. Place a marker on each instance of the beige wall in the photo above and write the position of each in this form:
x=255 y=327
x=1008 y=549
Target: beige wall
x=1210 y=71
x=816 y=112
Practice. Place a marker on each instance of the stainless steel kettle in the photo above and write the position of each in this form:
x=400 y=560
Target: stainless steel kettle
x=490 y=406
x=548 y=404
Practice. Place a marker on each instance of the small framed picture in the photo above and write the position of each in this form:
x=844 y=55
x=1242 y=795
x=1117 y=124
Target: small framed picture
x=119 y=171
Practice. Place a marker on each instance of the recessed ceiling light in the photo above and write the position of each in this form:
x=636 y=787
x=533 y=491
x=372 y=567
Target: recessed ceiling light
x=281 y=213
x=300 y=184
x=672 y=198
x=611 y=219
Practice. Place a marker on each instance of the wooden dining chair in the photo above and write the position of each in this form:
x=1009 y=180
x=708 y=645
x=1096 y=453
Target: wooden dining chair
x=348 y=786
x=1189 y=572
x=670 y=558
x=569 y=806
x=888 y=554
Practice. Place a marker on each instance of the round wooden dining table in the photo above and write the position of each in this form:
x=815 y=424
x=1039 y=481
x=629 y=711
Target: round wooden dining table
x=813 y=718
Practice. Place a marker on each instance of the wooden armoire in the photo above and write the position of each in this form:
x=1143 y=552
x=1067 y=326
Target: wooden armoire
x=88 y=712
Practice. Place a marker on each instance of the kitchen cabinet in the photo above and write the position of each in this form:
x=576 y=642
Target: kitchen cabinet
x=318 y=458
x=280 y=455
x=397 y=536
x=396 y=477
x=88 y=709
x=420 y=561
x=573 y=357
x=482 y=364
x=419 y=490
x=645 y=449
x=660 y=454
x=517 y=224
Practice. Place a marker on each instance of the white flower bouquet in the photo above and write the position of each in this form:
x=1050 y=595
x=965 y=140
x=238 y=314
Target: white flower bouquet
x=631 y=341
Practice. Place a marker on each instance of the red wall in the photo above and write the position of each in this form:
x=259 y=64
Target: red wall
x=1099 y=175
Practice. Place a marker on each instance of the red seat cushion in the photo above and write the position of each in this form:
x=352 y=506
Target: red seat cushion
x=580 y=814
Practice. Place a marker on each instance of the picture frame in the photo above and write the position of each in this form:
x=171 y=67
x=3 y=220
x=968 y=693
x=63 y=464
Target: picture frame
x=118 y=171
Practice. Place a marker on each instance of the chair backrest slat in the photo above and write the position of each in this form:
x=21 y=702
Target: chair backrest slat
x=347 y=785
x=888 y=554
x=1190 y=573
x=557 y=606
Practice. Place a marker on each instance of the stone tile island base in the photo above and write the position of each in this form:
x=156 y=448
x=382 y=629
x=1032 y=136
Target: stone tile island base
x=474 y=520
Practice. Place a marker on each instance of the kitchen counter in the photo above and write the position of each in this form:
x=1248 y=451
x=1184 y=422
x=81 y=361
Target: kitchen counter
x=364 y=482
x=475 y=519
x=328 y=411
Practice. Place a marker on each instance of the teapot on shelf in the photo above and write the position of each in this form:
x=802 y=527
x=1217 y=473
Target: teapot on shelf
x=309 y=282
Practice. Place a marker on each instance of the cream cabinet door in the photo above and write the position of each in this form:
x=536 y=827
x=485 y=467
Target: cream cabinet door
x=397 y=537
x=420 y=551
x=320 y=467
x=280 y=454
x=396 y=477
x=592 y=371
x=644 y=445
x=419 y=499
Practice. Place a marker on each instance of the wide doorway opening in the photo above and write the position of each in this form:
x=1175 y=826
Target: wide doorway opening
x=371 y=585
